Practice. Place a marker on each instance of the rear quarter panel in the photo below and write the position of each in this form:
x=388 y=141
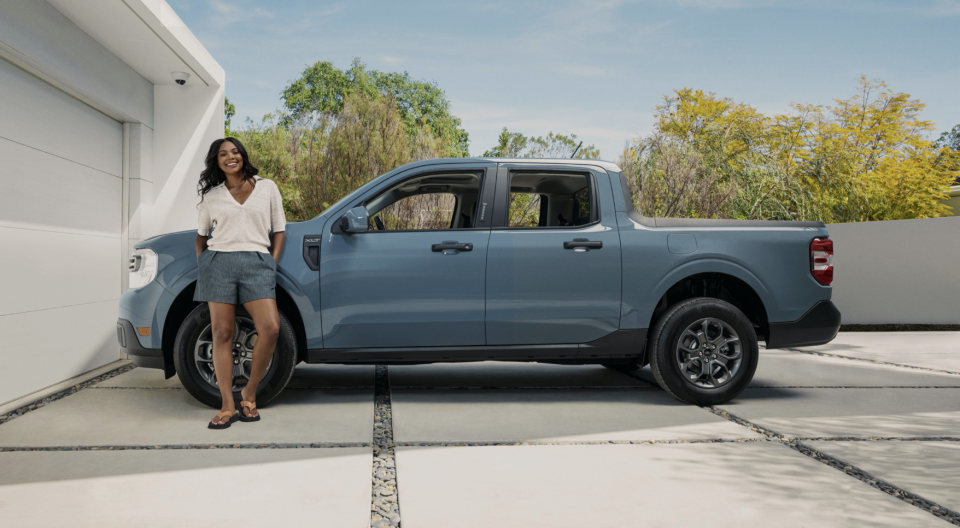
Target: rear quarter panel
x=774 y=259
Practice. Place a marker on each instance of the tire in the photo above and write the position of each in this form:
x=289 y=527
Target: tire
x=197 y=324
x=672 y=347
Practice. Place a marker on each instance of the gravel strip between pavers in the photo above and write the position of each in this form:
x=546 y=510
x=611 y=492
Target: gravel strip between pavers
x=384 y=501
x=927 y=505
x=874 y=361
x=4 y=418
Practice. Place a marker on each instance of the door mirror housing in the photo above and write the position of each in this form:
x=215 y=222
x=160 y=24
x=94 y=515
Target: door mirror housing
x=354 y=221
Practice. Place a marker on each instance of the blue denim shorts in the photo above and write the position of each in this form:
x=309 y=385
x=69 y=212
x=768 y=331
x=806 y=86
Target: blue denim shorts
x=235 y=277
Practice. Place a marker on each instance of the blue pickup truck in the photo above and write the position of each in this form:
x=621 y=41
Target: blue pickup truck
x=435 y=262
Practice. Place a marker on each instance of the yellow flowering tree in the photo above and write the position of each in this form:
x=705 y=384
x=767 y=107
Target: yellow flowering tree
x=865 y=158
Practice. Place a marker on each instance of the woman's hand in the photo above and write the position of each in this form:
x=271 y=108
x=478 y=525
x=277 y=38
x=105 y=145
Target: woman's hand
x=201 y=243
x=278 y=239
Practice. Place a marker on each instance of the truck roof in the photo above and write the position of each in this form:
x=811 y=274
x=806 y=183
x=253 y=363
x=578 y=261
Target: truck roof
x=607 y=165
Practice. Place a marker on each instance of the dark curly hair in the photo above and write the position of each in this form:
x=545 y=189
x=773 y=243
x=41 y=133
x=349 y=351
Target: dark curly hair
x=213 y=175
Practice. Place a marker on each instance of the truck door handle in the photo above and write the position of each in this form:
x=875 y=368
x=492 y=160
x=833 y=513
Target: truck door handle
x=452 y=245
x=583 y=244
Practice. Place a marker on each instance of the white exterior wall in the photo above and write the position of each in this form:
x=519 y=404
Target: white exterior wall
x=191 y=119
x=95 y=158
x=897 y=271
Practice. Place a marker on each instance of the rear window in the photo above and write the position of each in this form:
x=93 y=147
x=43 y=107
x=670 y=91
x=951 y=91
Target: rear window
x=550 y=200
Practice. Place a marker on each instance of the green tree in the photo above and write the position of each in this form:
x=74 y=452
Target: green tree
x=950 y=139
x=948 y=147
x=560 y=146
x=509 y=145
x=228 y=112
x=670 y=178
x=324 y=88
x=516 y=145
x=317 y=159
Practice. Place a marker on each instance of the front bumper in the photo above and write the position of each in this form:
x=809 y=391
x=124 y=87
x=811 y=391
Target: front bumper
x=141 y=357
x=818 y=326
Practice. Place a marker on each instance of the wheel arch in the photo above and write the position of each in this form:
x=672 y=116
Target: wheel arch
x=183 y=304
x=717 y=285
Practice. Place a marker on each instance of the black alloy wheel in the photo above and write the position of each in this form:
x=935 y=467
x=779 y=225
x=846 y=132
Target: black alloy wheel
x=193 y=357
x=703 y=351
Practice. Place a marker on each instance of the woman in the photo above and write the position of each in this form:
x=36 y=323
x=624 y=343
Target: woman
x=236 y=267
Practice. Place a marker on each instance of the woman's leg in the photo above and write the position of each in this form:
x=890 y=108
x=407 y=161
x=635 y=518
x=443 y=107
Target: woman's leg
x=222 y=317
x=267 y=322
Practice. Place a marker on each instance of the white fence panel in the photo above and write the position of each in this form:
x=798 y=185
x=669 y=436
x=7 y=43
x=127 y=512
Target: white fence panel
x=897 y=271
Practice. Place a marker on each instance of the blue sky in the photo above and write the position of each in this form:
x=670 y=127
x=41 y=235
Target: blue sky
x=594 y=68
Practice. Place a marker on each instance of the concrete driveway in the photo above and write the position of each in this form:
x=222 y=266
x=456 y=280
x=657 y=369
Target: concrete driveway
x=864 y=431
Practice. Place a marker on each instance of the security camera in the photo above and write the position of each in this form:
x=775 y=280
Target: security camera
x=180 y=77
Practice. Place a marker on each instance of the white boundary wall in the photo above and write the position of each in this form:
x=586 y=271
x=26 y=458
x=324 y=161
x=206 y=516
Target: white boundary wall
x=897 y=271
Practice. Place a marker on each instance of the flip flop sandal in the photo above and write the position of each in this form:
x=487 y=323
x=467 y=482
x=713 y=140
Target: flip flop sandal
x=253 y=408
x=224 y=425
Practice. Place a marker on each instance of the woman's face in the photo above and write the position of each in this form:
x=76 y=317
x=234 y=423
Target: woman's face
x=229 y=158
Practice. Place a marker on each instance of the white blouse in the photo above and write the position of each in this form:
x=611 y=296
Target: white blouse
x=243 y=227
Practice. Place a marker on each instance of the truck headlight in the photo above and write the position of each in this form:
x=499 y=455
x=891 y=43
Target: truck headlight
x=143 y=267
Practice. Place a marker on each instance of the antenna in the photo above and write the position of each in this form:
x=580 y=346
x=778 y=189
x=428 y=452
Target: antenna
x=576 y=149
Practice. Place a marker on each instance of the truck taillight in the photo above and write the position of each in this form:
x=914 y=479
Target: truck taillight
x=821 y=260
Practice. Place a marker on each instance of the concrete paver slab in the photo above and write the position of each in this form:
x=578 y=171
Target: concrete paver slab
x=151 y=417
x=741 y=485
x=929 y=469
x=286 y=487
x=508 y=374
x=551 y=415
x=784 y=368
x=851 y=412
x=938 y=350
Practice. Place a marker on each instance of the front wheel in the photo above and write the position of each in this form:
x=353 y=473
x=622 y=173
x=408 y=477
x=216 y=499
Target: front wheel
x=703 y=351
x=193 y=357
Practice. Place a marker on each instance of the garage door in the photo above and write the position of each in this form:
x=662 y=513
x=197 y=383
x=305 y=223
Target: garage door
x=60 y=213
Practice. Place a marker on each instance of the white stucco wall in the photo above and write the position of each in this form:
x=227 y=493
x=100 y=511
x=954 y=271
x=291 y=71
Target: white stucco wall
x=96 y=157
x=898 y=271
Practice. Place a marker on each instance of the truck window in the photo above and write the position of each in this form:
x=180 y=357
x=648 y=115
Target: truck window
x=436 y=201
x=550 y=200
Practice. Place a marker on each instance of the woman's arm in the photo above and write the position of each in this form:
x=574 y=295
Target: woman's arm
x=202 y=244
x=278 y=221
x=278 y=239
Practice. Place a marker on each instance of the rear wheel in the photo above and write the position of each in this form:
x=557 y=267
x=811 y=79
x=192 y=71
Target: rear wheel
x=193 y=356
x=703 y=351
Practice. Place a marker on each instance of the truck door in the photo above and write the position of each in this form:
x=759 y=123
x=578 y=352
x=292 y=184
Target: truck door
x=553 y=263
x=416 y=277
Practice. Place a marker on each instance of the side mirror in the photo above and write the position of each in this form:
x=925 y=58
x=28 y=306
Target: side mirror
x=354 y=221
